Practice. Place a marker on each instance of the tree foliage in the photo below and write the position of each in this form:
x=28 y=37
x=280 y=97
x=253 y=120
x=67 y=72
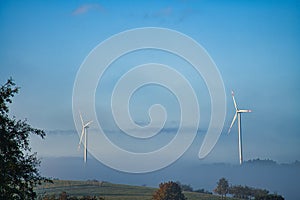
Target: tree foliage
x=203 y=191
x=18 y=172
x=169 y=190
x=64 y=196
x=185 y=187
x=222 y=187
x=245 y=192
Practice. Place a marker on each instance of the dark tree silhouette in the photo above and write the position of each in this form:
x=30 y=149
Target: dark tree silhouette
x=63 y=196
x=222 y=187
x=169 y=190
x=245 y=192
x=18 y=171
x=185 y=187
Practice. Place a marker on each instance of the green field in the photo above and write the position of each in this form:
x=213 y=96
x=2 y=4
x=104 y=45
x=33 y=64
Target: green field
x=108 y=190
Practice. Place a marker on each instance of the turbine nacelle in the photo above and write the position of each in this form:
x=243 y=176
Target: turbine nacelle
x=87 y=124
x=244 y=111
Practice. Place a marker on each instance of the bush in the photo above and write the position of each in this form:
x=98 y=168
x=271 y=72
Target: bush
x=169 y=190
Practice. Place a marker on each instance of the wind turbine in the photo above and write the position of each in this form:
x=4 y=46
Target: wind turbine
x=238 y=113
x=84 y=132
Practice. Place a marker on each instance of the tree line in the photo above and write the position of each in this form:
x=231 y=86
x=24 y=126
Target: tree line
x=244 y=192
x=65 y=196
x=189 y=188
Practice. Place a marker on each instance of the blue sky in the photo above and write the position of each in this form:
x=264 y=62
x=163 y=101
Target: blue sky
x=255 y=45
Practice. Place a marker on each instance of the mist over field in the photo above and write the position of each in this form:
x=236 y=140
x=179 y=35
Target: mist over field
x=277 y=178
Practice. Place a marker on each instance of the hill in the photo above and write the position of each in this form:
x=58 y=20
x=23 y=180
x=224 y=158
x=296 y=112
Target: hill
x=108 y=190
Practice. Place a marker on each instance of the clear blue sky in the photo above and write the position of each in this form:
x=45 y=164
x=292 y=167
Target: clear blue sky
x=255 y=45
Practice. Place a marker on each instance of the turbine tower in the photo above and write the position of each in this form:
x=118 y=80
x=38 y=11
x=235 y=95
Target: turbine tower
x=238 y=113
x=84 y=133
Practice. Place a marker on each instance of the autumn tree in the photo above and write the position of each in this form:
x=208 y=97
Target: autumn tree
x=18 y=172
x=63 y=196
x=222 y=187
x=169 y=190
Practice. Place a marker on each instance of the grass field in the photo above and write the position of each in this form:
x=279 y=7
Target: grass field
x=108 y=190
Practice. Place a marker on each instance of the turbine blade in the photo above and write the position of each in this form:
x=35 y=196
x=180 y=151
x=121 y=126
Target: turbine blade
x=82 y=133
x=232 y=93
x=233 y=120
x=81 y=118
x=88 y=123
x=244 y=111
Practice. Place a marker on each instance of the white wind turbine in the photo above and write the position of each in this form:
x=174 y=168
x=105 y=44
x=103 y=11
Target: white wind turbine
x=238 y=113
x=84 y=132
